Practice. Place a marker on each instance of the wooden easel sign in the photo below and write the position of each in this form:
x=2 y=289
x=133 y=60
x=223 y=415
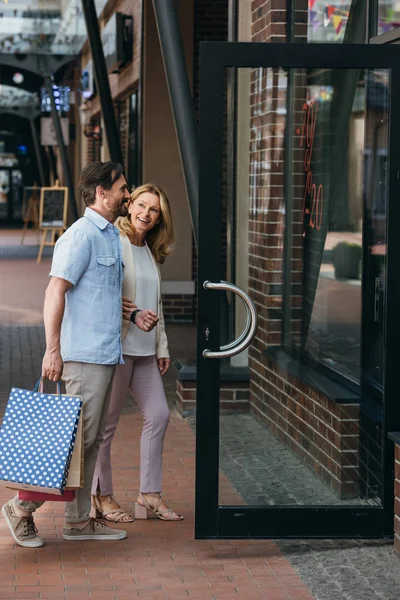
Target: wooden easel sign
x=52 y=215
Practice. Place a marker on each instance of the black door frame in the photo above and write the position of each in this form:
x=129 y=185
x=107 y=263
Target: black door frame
x=234 y=522
x=390 y=37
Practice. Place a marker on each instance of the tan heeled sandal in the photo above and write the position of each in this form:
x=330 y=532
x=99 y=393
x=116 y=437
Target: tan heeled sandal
x=142 y=511
x=116 y=515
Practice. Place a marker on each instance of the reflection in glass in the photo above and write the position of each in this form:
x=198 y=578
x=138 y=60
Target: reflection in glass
x=344 y=170
x=389 y=15
x=333 y=224
x=327 y=20
x=376 y=198
x=56 y=27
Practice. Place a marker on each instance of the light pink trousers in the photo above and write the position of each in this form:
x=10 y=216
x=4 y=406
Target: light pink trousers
x=141 y=377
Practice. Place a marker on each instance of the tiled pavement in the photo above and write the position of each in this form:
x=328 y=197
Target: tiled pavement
x=158 y=559
x=165 y=554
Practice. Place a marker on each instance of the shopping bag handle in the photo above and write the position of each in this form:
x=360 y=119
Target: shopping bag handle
x=39 y=387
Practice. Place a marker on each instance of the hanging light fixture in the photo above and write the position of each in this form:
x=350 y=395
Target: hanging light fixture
x=18 y=78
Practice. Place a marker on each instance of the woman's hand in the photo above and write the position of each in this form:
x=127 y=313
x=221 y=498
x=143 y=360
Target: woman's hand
x=146 y=320
x=127 y=308
x=163 y=364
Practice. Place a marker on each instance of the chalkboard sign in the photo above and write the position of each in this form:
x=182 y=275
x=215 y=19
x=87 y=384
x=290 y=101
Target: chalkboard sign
x=53 y=207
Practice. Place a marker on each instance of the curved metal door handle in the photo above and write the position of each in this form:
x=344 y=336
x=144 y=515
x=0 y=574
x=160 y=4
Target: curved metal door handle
x=248 y=333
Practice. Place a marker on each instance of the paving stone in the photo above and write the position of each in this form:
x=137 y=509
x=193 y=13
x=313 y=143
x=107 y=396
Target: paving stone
x=137 y=566
x=254 y=465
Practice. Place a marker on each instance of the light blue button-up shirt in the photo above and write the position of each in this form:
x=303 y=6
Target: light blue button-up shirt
x=88 y=255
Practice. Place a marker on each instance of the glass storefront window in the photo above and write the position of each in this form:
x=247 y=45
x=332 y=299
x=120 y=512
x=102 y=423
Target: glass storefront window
x=323 y=309
x=336 y=21
x=389 y=15
x=341 y=142
x=38 y=27
x=327 y=20
x=332 y=250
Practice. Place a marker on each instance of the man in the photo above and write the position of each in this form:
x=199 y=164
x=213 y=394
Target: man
x=82 y=319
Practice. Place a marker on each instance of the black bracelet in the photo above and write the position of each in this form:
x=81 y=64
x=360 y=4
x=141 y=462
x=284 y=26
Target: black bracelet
x=134 y=313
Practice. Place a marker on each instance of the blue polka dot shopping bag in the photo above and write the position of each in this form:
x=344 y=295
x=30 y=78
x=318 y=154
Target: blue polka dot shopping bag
x=37 y=438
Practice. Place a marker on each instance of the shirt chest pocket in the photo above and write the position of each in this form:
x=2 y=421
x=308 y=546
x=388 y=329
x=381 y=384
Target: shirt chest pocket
x=106 y=270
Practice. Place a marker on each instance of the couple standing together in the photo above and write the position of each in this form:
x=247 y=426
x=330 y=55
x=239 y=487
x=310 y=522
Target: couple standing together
x=97 y=268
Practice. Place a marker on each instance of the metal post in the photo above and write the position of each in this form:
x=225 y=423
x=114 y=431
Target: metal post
x=63 y=150
x=228 y=309
x=372 y=18
x=102 y=82
x=38 y=152
x=181 y=100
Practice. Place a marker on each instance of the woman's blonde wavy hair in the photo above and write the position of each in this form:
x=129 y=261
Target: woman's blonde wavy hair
x=160 y=239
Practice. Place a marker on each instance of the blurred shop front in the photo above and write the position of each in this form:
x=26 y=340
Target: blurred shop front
x=11 y=188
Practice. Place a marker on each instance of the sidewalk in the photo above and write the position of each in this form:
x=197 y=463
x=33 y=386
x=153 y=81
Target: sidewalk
x=158 y=559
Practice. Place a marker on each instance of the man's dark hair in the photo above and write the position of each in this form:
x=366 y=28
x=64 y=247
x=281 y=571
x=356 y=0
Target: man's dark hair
x=98 y=173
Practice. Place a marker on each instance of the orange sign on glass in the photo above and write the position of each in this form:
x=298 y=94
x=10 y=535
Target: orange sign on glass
x=313 y=200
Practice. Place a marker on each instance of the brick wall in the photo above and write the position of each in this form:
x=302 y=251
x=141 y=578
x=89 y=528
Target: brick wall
x=268 y=20
x=323 y=433
x=178 y=308
x=266 y=218
x=233 y=396
x=93 y=148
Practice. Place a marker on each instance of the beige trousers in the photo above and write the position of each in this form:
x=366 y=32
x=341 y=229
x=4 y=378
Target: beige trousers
x=93 y=383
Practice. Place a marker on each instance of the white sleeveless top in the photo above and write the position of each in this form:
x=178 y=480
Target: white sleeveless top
x=136 y=341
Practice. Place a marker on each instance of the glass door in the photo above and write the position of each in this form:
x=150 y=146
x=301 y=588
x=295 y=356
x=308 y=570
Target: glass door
x=292 y=430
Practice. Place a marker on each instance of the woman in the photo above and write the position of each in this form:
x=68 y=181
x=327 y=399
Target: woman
x=146 y=238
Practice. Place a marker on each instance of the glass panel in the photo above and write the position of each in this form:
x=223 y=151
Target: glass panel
x=376 y=195
x=330 y=134
x=389 y=15
x=328 y=22
x=58 y=27
x=300 y=431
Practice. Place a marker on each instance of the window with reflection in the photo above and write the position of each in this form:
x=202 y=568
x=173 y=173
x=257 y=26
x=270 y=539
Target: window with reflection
x=328 y=20
x=341 y=133
x=389 y=15
x=337 y=21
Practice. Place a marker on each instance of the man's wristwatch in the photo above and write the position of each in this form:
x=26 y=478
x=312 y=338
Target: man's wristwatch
x=134 y=313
